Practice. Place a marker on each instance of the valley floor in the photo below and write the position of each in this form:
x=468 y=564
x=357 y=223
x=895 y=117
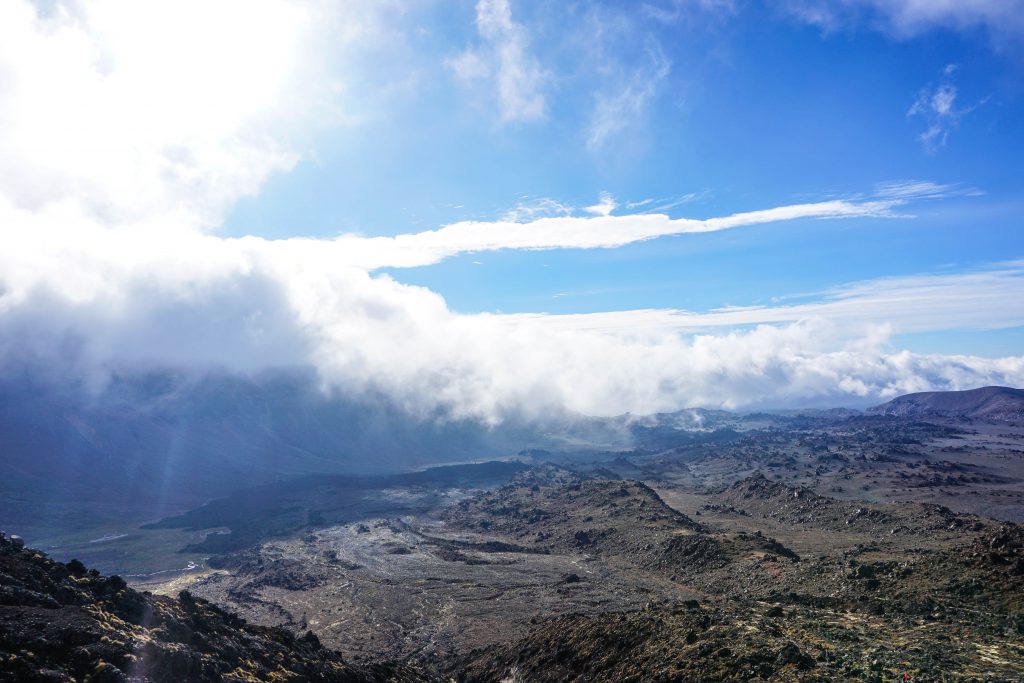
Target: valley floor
x=861 y=548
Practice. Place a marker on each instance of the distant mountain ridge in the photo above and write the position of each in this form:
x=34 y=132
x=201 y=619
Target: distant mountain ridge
x=997 y=404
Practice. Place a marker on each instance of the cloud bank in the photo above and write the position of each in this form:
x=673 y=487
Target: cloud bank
x=104 y=300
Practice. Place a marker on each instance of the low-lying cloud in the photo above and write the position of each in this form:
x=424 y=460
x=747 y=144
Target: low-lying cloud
x=136 y=300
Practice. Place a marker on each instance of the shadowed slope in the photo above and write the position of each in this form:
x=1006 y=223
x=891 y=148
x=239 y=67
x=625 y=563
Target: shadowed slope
x=61 y=622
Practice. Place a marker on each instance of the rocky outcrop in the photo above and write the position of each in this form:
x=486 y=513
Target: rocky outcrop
x=63 y=622
x=738 y=641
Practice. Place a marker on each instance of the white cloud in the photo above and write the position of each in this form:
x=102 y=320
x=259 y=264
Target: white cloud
x=130 y=299
x=605 y=205
x=169 y=107
x=1003 y=19
x=249 y=304
x=982 y=299
x=571 y=232
x=672 y=11
x=937 y=105
x=924 y=189
x=622 y=102
x=469 y=66
x=533 y=208
x=504 y=62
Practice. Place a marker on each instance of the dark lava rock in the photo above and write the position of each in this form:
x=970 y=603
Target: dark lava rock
x=792 y=655
x=693 y=552
x=582 y=538
x=61 y=623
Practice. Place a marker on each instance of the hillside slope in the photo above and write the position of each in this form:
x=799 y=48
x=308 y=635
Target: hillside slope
x=997 y=404
x=61 y=622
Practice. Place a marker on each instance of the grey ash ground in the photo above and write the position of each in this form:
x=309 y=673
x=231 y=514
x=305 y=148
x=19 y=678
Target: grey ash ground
x=601 y=580
x=828 y=546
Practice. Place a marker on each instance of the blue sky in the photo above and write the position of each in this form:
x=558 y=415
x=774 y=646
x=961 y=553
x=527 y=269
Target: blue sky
x=737 y=106
x=491 y=207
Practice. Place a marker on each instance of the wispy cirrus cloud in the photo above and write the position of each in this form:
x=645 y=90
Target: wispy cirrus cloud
x=974 y=299
x=924 y=189
x=622 y=102
x=937 y=105
x=504 y=62
x=1002 y=19
x=534 y=208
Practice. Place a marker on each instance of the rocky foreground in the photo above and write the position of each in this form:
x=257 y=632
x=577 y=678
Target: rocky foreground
x=877 y=593
x=556 y=576
x=62 y=622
